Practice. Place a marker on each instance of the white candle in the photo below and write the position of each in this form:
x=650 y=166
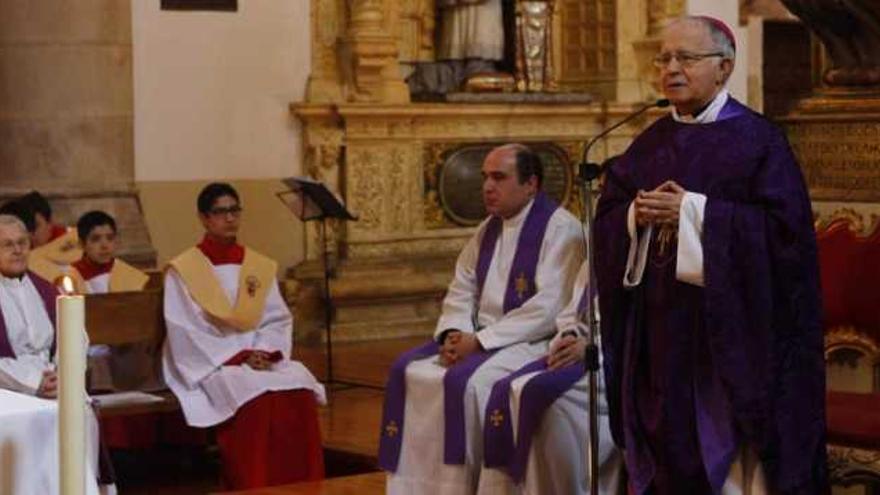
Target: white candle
x=70 y=311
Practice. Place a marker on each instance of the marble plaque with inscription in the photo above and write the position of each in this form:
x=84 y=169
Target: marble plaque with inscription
x=840 y=159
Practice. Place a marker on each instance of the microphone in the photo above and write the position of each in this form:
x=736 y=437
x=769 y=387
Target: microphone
x=589 y=171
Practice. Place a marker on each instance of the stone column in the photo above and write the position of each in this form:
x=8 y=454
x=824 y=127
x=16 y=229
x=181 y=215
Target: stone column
x=66 y=110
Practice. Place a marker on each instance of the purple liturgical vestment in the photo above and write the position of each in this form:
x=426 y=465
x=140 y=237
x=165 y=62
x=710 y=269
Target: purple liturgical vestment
x=694 y=374
x=520 y=287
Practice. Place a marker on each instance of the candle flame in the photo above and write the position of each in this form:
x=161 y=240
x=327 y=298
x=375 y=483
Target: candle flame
x=67 y=285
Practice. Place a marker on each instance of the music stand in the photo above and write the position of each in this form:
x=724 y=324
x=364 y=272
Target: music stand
x=310 y=200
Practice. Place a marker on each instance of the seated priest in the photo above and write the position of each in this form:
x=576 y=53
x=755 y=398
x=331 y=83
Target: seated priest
x=227 y=354
x=55 y=247
x=100 y=272
x=27 y=329
x=512 y=278
x=27 y=303
x=536 y=428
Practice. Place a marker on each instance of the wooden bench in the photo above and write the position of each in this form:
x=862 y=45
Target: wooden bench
x=128 y=318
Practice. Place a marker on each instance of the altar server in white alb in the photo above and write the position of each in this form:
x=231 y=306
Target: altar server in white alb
x=511 y=280
x=227 y=355
x=536 y=427
x=27 y=349
x=100 y=272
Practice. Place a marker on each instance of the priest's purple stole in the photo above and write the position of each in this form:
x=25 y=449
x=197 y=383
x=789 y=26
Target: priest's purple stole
x=498 y=443
x=520 y=287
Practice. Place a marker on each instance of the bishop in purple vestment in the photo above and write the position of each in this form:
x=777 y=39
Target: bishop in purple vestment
x=708 y=289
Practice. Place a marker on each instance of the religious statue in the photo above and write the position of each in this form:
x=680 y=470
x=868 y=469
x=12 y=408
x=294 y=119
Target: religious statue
x=488 y=45
x=850 y=31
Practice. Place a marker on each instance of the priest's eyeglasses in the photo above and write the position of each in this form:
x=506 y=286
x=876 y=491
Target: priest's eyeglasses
x=13 y=246
x=220 y=211
x=685 y=59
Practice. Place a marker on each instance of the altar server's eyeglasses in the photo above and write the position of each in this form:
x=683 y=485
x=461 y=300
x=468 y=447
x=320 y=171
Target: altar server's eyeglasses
x=685 y=59
x=222 y=212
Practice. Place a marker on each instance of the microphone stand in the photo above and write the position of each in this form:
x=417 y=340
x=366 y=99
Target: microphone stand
x=588 y=172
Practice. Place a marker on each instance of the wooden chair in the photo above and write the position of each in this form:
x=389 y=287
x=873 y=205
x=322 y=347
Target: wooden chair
x=850 y=269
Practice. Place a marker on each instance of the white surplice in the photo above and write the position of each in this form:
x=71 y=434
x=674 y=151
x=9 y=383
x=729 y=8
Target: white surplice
x=197 y=346
x=29 y=425
x=30 y=335
x=746 y=475
x=521 y=335
x=558 y=456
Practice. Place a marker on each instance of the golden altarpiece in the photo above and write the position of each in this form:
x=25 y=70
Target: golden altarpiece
x=386 y=155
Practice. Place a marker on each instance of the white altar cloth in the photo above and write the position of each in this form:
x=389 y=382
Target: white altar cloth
x=29 y=446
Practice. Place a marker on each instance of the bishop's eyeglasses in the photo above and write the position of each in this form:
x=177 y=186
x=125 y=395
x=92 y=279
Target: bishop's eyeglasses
x=685 y=59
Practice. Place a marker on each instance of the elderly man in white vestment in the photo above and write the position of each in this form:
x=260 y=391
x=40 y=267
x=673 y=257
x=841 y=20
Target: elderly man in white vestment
x=544 y=449
x=27 y=348
x=227 y=354
x=511 y=280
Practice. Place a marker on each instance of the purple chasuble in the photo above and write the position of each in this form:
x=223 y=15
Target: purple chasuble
x=48 y=293
x=692 y=374
x=520 y=288
x=498 y=445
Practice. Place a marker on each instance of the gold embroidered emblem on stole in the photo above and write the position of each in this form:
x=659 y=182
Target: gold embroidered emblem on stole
x=522 y=285
x=391 y=429
x=496 y=418
x=252 y=283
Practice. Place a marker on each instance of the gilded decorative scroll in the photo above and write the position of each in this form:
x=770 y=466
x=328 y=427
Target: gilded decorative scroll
x=848 y=465
x=851 y=338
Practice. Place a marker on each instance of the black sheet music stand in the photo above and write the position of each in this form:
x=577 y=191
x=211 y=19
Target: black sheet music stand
x=310 y=200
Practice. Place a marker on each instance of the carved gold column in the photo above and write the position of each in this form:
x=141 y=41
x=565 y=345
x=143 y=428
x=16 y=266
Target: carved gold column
x=325 y=83
x=371 y=51
x=322 y=160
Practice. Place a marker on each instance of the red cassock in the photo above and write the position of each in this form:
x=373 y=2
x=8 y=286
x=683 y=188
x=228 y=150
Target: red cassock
x=274 y=439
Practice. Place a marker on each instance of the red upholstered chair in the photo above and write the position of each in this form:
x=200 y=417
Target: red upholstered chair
x=850 y=268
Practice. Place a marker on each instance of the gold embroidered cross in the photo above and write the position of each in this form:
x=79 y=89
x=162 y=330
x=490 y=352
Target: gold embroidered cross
x=253 y=283
x=665 y=237
x=522 y=285
x=391 y=430
x=496 y=418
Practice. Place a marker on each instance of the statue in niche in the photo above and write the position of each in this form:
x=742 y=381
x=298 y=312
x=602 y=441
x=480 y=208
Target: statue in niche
x=850 y=31
x=487 y=45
